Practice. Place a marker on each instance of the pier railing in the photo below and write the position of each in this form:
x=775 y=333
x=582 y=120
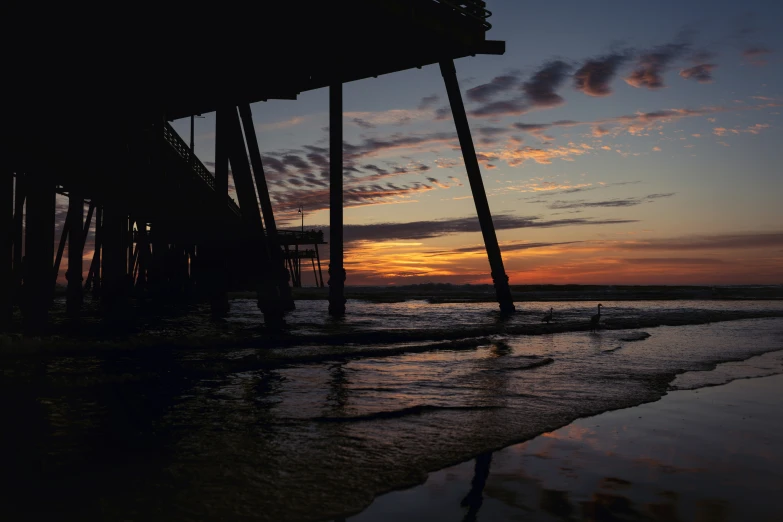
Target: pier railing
x=475 y=9
x=198 y=168
x=297 y=237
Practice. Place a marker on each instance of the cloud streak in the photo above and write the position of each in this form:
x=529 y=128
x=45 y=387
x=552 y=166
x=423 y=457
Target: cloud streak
x=510 y=247
x=611 y=203
x=734 y=241
x=756 y=54
x=416 y=230
x=485 y=92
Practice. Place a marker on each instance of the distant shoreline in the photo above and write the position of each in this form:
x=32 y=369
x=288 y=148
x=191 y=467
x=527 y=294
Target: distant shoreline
x=448 y=293
x=442 y=293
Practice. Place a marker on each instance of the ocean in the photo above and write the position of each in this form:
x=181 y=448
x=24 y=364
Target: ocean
x=186 y=418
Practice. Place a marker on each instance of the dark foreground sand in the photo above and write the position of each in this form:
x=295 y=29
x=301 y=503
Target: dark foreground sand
x=712 y=454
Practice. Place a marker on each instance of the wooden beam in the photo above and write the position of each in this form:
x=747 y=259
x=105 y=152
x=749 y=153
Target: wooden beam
x=336 y=270
x=75 y=252
x=6 y=247
x=499 y=276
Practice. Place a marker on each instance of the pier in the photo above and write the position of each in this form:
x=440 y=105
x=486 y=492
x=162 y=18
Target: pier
x=97 y=131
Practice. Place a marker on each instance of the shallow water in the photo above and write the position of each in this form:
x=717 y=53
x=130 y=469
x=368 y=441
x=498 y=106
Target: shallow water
x=708 y=454
x=192 y=432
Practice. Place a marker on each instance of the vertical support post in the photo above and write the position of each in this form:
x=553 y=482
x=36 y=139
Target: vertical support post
x=157 y=278
x=288 y=265
x=212 y=261
x=221 y=153
x=275 y=255
x=320 y=273
x=213 y=277
x=6 y=246
x=87 y=222
x=39 y=251
x=192 y=268
x=297 y=266
x=19 y=199
x=75 y=252
x=97 y=272
x=129 y=245
x=144 y=257
x=114 y=230
x=336 y=270
x=499 y=277
x=60 y=250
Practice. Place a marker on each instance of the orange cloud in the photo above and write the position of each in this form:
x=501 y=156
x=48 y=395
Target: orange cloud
x=517 y=156
x=742 y=258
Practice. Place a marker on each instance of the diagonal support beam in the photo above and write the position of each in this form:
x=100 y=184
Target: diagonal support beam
x=61 y=249
x=87 y=223
x=499 y=277
x=268 y=291
x=94 y=274
x=275 y=253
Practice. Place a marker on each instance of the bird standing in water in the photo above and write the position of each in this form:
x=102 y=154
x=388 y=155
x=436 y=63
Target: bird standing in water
x=548 y=316
x=594 y=320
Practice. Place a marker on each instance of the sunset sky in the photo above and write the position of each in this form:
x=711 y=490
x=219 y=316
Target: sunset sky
x=620 y=143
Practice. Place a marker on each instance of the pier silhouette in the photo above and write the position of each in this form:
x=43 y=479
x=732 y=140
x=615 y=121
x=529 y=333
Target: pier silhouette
x=88 y=118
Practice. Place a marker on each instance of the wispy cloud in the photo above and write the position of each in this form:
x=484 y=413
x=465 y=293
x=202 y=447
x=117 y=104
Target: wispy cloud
x=753 y=129
x=756 y=54
x=486 y=92
x=370 y=120
x=548 y=189
x=514 y=156
x=284 y=124
x=513 y=107
x=672 y=261
x=701 y=73
x=417 y=230
x=747 y=240
x=428 y=101
x=611 y=203
x=631 y=123
x=507 y=247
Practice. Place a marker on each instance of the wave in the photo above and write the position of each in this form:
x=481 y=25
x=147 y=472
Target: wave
x=634 y=336
x=419 y=409
x=356 y=341
x=764 y=365
x=537 y=364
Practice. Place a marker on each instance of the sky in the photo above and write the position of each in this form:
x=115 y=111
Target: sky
x=619 y=143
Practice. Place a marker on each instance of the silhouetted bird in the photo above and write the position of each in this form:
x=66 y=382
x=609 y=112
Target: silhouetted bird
x=595 y=319
x=548 y=316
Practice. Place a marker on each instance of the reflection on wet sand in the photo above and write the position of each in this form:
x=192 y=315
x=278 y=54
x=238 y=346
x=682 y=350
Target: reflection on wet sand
x=713 y=454
x=475 y=496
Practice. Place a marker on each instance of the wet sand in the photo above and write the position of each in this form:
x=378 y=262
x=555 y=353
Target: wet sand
x=714 y=454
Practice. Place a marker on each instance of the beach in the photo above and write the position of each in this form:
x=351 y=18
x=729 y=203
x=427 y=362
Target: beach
x=191 y=419
x=712 y=453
